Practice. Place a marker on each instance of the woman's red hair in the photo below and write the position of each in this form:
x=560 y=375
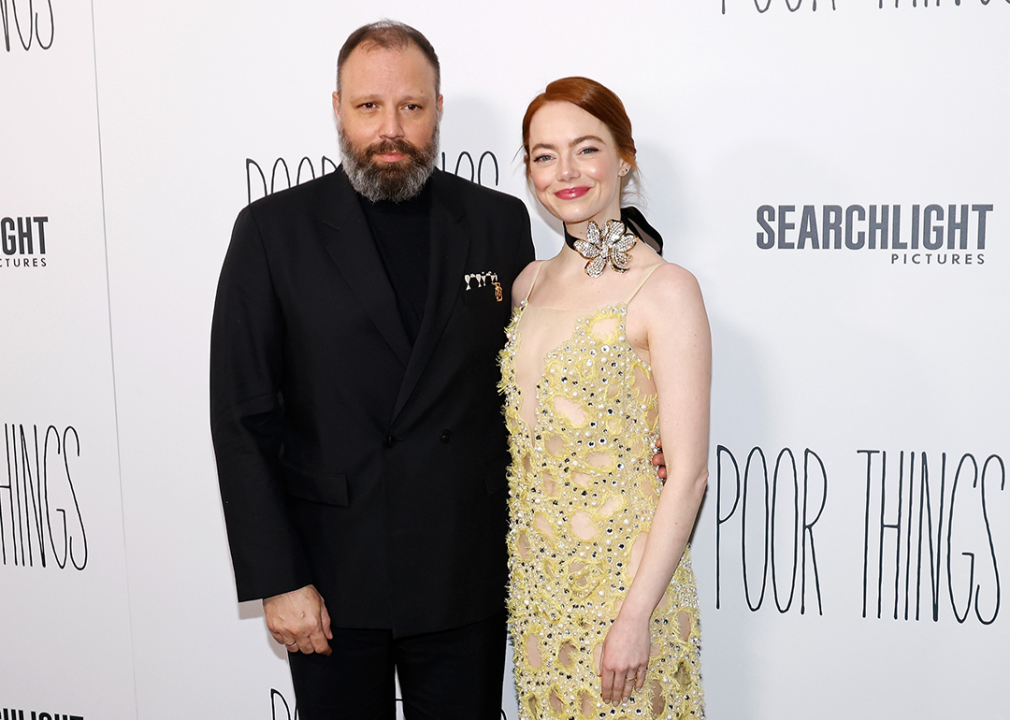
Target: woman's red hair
x=597 y=100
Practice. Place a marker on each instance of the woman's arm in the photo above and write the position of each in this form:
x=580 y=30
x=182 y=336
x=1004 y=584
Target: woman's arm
x=680 y=350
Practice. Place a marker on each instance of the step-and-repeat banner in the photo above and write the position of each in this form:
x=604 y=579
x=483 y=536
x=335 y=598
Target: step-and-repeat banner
x=833 y=171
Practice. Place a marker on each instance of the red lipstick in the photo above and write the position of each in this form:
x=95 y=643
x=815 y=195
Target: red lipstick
x=572 y=193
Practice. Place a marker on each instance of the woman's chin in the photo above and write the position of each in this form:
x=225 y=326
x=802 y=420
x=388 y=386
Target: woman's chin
x=572 y=218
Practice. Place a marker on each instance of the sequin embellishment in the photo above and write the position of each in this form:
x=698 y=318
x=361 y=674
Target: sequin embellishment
x=582 y=493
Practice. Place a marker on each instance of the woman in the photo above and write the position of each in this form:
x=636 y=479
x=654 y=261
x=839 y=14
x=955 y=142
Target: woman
x=609 y=346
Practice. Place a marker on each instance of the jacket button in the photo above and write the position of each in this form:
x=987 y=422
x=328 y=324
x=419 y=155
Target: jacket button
x=389 y=441
x=446 y=436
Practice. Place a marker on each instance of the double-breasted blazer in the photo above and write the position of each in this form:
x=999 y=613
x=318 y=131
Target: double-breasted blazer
x=348 y=458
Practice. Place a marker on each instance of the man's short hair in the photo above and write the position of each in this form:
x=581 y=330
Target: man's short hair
x=390 y=35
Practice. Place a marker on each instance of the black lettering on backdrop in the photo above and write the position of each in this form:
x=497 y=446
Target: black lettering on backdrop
x=933 y=214
x=278 y=713
x=832 y=227
x=476 y=172
x=791 y=5
x=18 y=235
x=794 y=530
x=280 y=173
x=956 y=227
x=764 y=526
x=800 y=528
x=785 y=225
x=35 y=474
x=30 y=22
x=925 y=3
x=941 y=259
x=765 y=215
x=988 y=534
x=10 y=714
x=911 y=533
x=305 y=171
x=852 y=212
x=762 y=6
x=23 y=241
x=284 y=713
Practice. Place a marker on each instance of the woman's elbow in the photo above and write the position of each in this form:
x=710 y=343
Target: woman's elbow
x=700 y=483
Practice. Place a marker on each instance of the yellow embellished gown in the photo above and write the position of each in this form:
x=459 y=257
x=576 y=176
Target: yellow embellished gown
x=583 y=492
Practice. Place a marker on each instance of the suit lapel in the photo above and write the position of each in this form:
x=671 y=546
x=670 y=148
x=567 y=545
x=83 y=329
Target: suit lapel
x=349 y=242
x=449 y=247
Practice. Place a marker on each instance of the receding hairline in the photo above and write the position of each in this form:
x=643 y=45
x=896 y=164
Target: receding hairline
x=389 y=35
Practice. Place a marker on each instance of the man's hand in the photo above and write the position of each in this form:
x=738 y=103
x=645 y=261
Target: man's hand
x=659 y=460
x=299 y=621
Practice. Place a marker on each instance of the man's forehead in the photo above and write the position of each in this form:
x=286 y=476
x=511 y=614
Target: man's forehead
x=371 y=53
x=369 y=45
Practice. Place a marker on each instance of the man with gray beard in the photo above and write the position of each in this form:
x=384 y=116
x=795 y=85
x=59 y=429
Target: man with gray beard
x=360 y=445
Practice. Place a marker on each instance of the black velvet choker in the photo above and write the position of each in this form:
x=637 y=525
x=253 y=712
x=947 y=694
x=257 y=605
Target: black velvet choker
x=635 y=222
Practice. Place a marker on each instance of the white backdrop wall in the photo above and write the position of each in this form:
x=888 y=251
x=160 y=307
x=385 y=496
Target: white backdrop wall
x=833 y=172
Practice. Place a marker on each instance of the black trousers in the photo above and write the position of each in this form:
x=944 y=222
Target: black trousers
x=448 y=675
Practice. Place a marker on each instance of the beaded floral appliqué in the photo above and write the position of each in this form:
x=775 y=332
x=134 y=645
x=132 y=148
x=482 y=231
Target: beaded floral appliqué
x=582 y=493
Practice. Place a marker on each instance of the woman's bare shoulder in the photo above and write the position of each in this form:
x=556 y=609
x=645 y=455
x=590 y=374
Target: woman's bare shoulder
x=669 y=277
x=523 y=283
x=671 y=287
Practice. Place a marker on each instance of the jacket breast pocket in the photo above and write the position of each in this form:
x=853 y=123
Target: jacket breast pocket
x=315 y=487
x=482 y=289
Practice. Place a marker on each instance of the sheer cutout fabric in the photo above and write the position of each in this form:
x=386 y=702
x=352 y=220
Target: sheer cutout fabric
x=582 y=414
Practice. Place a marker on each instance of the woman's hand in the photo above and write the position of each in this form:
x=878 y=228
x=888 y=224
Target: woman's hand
x=624 y=659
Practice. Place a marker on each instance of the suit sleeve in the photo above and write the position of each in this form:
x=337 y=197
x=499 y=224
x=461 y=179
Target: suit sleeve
x=526 y=251
x=247 y=419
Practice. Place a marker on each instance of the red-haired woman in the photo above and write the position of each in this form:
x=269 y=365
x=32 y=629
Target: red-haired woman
x=608 y=348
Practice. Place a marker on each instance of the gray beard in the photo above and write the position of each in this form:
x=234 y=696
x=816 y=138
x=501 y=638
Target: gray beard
x=393 y=183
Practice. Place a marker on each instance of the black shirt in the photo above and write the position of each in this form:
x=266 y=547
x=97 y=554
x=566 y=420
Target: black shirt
x=402 y=233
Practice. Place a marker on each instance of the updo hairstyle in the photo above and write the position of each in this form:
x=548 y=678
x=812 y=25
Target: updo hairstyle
x=597 y=100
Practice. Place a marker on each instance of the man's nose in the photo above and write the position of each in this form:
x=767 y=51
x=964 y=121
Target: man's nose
x=391 y=126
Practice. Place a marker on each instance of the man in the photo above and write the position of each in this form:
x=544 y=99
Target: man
x=360 y=444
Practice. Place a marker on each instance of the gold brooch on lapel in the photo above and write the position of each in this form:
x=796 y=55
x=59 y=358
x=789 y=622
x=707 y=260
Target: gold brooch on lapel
x=476 y=281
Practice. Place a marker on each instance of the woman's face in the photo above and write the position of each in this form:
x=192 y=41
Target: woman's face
x=574 y=164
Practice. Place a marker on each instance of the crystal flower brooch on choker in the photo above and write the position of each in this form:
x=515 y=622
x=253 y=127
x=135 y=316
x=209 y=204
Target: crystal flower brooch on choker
x=609 y=246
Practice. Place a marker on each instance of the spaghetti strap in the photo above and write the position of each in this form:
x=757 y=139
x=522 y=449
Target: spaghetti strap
x=533 y=282
x=646 y=276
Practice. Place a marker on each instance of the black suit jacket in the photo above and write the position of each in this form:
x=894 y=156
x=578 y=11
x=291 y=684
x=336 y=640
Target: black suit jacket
x=346 y=457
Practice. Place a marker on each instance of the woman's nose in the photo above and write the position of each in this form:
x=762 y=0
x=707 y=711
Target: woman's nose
x=567 y=169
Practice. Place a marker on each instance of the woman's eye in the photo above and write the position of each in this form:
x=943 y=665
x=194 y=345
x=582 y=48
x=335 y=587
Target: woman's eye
x=588 y=150
x=541 y=158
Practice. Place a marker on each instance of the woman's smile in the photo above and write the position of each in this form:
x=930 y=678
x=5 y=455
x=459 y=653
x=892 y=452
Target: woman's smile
x=572 y=193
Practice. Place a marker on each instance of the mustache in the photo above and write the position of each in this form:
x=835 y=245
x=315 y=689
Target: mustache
x=394 y=182
x=395 y=145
